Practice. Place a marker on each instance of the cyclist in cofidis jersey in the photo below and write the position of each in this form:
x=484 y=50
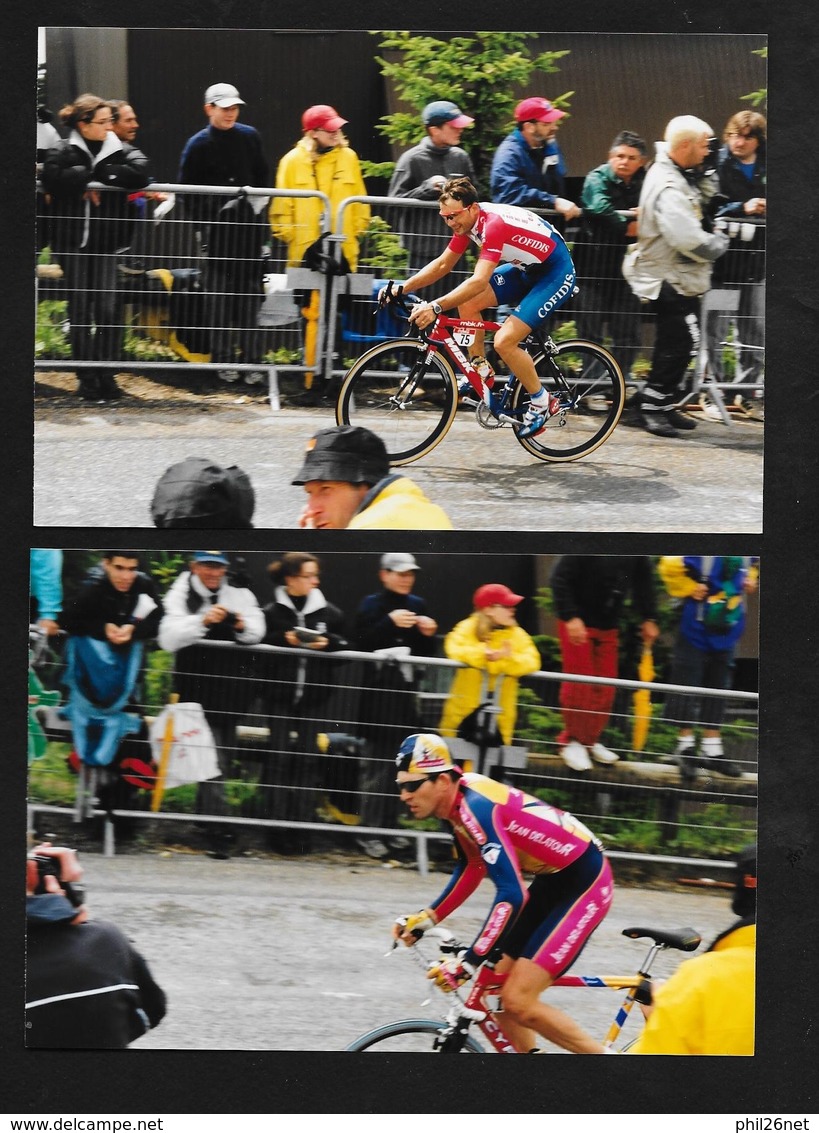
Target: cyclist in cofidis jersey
x=539 y=929
x=523 y=263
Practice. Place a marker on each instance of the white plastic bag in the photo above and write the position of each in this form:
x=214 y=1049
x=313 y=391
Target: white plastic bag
x=192 y=757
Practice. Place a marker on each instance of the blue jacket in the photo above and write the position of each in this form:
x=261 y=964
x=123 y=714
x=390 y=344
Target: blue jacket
x=526 y=177
x=45 y=581
x=681 y=574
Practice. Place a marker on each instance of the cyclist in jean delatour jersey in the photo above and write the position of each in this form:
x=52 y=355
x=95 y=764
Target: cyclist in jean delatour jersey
x=501 y=833
x=523 y=262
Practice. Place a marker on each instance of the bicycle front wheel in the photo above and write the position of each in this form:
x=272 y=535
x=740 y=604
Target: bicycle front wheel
x=410 y=1036
x=592 y=393
x=404 y=394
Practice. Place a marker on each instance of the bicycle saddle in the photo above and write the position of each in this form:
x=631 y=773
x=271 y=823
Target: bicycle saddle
x=685 y=939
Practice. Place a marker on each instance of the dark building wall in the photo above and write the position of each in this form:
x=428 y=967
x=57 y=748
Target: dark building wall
x=633 y=81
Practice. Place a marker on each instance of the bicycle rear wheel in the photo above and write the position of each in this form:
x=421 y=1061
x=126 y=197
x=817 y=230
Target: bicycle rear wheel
x=405 y=397
x=408 y=1036
x=577 y=373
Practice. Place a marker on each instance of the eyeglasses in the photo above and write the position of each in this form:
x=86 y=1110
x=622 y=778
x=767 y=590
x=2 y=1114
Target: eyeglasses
x=448 y=216
x=412 y=785
x=100 y=121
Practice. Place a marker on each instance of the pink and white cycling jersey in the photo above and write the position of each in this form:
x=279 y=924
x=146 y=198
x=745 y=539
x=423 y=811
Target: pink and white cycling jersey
x=501 y=833
x=510 y=235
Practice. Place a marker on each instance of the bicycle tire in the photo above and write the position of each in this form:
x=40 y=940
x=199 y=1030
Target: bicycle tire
x=588 y=370
x=406 y=401
x=408 y=1036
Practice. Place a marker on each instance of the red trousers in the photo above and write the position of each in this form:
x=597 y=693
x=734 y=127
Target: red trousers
x=586 y=708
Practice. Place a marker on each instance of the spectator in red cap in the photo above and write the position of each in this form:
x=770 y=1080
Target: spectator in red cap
x=492 y=644
x=320 y=162
x=528 y=167
x=421 y=173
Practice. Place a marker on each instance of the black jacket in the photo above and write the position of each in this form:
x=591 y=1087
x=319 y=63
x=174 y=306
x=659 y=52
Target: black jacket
x=594 y=587
x=86 y=986
x=98 y=604
x=375 y=629
x=67 y=170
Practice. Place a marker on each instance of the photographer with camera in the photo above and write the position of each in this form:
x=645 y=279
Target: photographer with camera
x=86 y=985
x=205 y=604
x=670 y=265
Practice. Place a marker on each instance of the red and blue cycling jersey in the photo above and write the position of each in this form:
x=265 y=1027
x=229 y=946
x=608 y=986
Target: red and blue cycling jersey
x=502 y=833
x=510 y=235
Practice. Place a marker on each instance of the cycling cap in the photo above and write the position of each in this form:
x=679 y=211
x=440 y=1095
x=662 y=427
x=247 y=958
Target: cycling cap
x=495 y=594
x=223 y=94
x=348 y=453
x=743 y=902
x=424 y=754
x=537 y=110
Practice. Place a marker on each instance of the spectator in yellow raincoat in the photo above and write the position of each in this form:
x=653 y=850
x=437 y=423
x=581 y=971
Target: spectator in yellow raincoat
x=493 y=645
x=321 y=161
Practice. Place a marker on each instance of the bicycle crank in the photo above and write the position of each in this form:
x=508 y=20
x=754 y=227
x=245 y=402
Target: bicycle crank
x=485 y=418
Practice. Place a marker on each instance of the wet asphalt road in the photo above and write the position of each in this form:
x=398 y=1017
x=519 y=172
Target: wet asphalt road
x=97 y=466
x=273 y=953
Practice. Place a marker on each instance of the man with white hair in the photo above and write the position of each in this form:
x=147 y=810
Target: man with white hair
x=670 y=265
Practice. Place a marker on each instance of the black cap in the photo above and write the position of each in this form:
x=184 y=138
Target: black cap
x=348 y=453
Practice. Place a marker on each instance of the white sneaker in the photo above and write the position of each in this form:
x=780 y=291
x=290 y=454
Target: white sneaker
x=255 y=378
x=602 y=754
x=576 y=756
x=229 y=376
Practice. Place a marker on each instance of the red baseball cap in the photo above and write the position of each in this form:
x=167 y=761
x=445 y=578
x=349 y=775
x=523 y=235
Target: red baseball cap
x=322 y=118
x=537 y=110
x=495 y=594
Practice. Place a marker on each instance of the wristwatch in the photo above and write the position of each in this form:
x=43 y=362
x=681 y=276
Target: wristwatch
x=437 y=309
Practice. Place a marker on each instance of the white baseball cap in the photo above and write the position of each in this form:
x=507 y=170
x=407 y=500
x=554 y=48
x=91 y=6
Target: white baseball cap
x=223 y=94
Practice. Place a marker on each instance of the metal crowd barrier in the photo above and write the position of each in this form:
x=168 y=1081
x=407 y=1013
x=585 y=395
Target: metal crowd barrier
x=175 y=298
x=314 y=750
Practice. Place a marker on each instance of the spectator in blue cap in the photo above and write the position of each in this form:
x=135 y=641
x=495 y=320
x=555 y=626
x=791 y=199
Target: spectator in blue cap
x=421 y=173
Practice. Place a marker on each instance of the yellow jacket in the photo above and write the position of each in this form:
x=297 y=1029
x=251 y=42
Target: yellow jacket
x=398 y=503
x=707 y=1006
x=297 y=220
x=462 y=644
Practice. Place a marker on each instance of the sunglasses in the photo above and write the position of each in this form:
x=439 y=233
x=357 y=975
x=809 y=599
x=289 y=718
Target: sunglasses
x=413 y=784
x=447 y=216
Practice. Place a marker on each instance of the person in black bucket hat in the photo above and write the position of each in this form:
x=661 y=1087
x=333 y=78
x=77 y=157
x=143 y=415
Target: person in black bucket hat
x=346 y=475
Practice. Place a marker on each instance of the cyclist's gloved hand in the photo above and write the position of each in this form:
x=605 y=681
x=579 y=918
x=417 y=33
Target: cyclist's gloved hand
x=412 y=927
x=448 y=974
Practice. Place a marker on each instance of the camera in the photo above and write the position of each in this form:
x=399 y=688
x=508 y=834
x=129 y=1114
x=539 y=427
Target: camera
x=230 y=620
x=51 y=865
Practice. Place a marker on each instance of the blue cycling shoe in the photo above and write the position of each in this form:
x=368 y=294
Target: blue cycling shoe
x=536 y=418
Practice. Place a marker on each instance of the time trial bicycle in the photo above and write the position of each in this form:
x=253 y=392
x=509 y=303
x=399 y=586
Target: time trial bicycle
x=407 y=390
x=476 y=1006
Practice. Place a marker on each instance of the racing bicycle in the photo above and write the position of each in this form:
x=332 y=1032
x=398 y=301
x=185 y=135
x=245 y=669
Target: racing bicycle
x=475 y=1007
x=407 y=390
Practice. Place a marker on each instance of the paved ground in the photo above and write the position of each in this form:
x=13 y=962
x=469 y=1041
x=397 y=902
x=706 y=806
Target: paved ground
x=271 y=953
x=96 y=465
